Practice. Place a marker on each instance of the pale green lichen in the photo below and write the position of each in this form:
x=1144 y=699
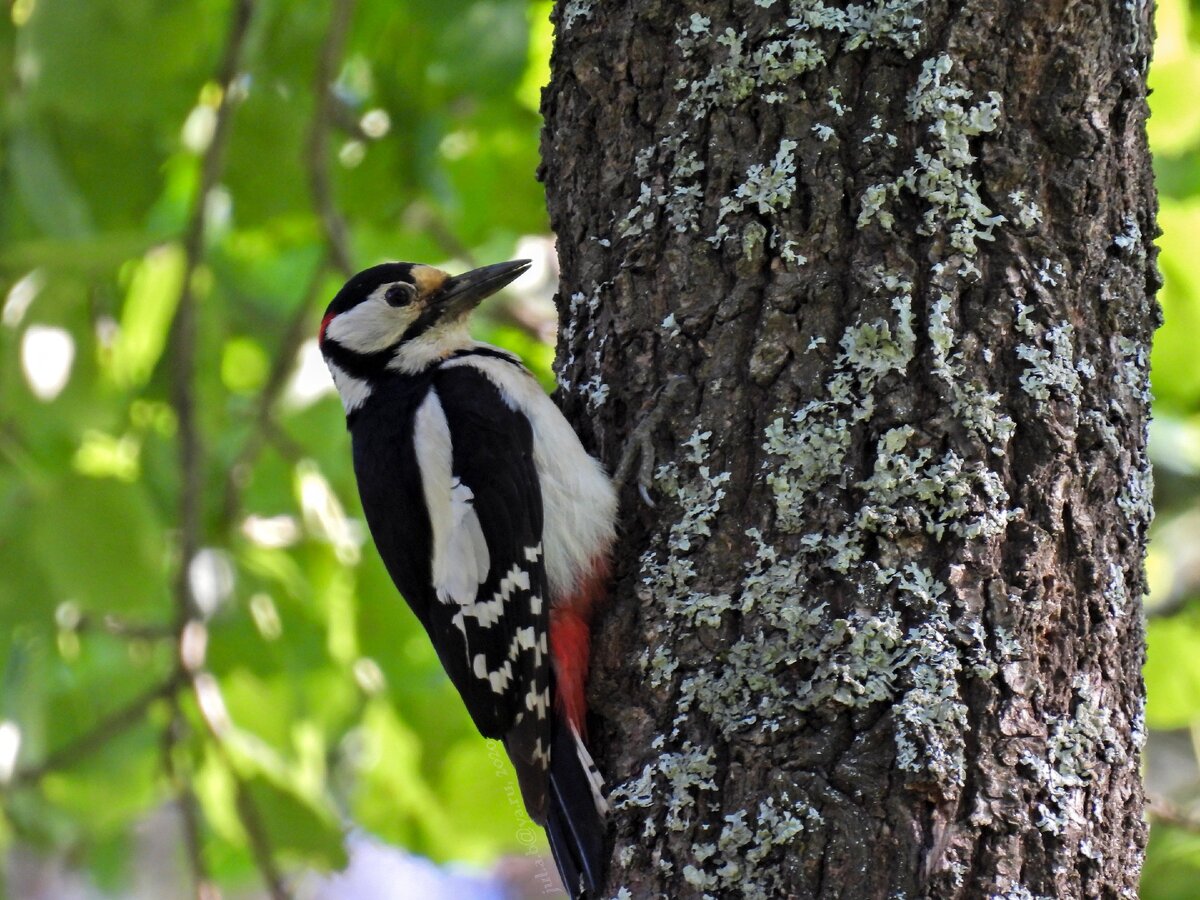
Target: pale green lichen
x=810 y=446
x=823 y=132
x=738 y=66
x=1051 y=369
x=570 y=326
x=681 y=195
x=670 y=326
x=683 y=775
x=856 y=661
x=971 y=402
x=1137 y=16
x=734 y=865
x=684 y=203
x=741 y=68
x=983 y=664
x=767 y=189
x=877 y=134
x=643 y=214
x=1019 y=892
x=575 y=10
x=1028 y=213
x=1050 y=272
x=1136 y=498
x=941 y=177
x=809 y=449
x=1134 y=369
x=594 y=392
x=910 y=491
x=930 y=715
x=798 y=660
x=834 y=102
x=1073 y=744
x=1130 y=238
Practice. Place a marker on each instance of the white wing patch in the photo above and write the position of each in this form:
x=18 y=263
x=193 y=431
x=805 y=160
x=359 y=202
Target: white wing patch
x=488 y=612
x=460 y=552
x=465 y=563
x=595 y=779
x=524 y=639
x=499 y=679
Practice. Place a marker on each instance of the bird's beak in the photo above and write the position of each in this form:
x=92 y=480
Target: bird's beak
x=462 y=293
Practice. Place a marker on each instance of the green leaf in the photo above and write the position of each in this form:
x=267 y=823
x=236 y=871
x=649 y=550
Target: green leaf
x=99 y=542
x=1174 y=125
x=298 y=826
x=130 y=60
x=53 y=202
x=1172 y=670
x=392 y=798
x=298 y=820
x=483 y=802
x=244 y=365
x=1175 y=375
x=113 y=787
x=146 y=315
x=1172 y=864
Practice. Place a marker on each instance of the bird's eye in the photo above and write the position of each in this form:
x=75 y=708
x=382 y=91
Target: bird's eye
x=399 y=294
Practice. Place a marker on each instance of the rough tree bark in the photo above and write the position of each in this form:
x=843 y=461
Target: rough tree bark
x=880 y=280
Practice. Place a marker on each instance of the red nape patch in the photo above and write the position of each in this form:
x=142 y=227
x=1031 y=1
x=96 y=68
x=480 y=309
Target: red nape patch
x=570 y=646
x=324 y=324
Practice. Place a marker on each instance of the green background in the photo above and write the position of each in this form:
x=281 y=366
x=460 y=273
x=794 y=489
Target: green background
x=339 y=705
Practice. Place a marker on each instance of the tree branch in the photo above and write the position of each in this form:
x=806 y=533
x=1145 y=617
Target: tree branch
x=183 y=346
x=189 y=811
x=317 y=156
x=260 y=843
x=114 y=625
x=1162 y=810
x=284 y=362
x=327 y=112
x=183 y=330
x=108 y=728
x=216 y=720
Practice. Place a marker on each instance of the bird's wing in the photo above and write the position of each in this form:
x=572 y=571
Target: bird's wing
x=475 y=455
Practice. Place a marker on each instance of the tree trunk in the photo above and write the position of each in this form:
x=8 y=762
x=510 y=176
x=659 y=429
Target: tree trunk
x=878 y=283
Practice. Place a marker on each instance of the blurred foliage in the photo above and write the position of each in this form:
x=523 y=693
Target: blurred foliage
x=338 y=712
x=319 y=702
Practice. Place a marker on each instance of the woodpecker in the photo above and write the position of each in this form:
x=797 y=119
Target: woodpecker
x=492 y=520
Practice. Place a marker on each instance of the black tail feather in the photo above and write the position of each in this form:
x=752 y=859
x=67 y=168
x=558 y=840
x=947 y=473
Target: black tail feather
x=574 y=825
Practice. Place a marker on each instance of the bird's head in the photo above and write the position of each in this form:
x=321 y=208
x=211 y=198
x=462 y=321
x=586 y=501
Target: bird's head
x=401 y=317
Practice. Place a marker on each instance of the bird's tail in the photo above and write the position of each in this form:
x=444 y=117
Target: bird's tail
x=576 y=811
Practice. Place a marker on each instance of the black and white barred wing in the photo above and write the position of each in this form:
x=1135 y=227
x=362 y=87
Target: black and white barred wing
x=475 y=454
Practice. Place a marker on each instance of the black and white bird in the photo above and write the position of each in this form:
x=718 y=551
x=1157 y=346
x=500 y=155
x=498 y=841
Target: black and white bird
x=493 y=521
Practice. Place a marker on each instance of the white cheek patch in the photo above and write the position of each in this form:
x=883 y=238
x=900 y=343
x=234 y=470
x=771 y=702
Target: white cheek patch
x=372 y=325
